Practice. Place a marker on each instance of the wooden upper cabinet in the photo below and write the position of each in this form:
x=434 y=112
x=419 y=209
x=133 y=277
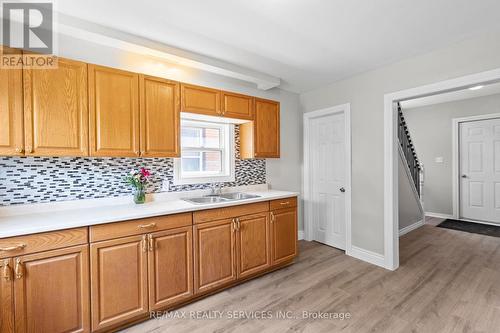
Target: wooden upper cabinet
x=261 y=138
x=284 y=235
x=214 y=255
x=119 y=274
x=267 y=128
x=237 y=106
x=6 y=296
x=170 y=267
x=52 y=292
x=11 y=112
x=253 y=244
x=160 y=117
x=195 y=99
x=114 y=112
x=56 y=110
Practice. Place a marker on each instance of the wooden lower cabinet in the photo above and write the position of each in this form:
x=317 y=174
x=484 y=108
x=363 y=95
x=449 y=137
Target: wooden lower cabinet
x=253 y=244
x=214 y=254
x=170 y=267
x=119 y=289
x=284 y=235
x=51 y=292
x=118 y=281
x=6 y=296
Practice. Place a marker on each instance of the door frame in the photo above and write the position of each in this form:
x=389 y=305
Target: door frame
x=455 y=153
x=308 y=226
x=391 y=221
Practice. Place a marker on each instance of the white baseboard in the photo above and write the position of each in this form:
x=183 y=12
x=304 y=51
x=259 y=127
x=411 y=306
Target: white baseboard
x=301 y=234
x=368 y=256
x=439 y=215
x=411 y=227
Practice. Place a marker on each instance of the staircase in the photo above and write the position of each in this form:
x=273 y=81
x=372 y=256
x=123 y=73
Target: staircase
x=415 y=168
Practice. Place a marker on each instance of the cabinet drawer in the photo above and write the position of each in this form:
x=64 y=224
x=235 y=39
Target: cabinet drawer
x=283 y=203
x=21 y=245
x=229 y=212
x=140 y=226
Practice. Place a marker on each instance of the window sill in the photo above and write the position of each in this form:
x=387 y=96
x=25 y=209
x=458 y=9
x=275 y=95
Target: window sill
x=203 y=180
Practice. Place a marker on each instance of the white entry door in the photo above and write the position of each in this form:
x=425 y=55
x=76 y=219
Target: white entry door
x=480 y=170
x=328 y=179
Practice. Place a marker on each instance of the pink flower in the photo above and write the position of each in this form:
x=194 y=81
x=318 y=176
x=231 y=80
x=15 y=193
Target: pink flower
x=145 y=173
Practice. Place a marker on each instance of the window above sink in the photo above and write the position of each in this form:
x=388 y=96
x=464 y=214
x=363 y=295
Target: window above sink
x=207 y=153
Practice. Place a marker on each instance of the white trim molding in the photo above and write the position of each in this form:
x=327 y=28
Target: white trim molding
x=455 y=160
x=411 y=227
x=391 y=223
x=308 y=228
x=365 y=255
x=439 y=215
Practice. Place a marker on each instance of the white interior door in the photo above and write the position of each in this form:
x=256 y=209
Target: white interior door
x=480 y=170
x=327 y=179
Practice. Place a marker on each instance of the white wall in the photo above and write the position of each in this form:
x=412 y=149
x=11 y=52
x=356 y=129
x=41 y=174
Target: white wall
x=283 y=173
x=430 y=129
x=409 y=207
x=366 y=92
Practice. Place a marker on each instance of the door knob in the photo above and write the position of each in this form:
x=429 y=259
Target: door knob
x=342 y=189
x=464 y=176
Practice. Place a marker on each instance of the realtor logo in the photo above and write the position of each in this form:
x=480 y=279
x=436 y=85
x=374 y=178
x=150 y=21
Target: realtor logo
x=28 y=26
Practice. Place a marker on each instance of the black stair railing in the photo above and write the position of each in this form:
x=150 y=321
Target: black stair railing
x=409 y=150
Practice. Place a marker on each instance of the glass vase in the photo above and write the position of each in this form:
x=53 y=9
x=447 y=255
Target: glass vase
x=139 y=195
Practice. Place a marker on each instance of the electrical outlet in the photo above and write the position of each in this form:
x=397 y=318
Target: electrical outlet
x=165 y=185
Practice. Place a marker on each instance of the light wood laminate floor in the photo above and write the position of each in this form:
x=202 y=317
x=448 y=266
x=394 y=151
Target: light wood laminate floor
x=448 y=281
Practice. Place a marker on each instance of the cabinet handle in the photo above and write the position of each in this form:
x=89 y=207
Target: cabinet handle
x=147 y=226
x=19 y=150
x=238 y=224
x=272 y=217
x=233 y=224
x=285 y=203
x=151 y=243
x=19 y=270
x=13 y=248
x=6 y=271
x=144 y=244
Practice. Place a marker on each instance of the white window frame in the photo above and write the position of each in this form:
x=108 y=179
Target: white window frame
x=227 y=173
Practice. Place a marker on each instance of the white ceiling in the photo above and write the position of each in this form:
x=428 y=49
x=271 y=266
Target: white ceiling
x=306 y=43
x=491 y=89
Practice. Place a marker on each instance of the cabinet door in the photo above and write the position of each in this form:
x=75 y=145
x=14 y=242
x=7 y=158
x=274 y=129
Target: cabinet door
x=119 y=289
x=160 y=117
x=170 y=267
x=253 y=244
x=284 y=235
x=200 y=100
x=214 y=255
x=267 y=129
x=51 y=291
x=11 y=112
x=6 y=297
x=237 y=106
x=56 y=111
x=114 y=112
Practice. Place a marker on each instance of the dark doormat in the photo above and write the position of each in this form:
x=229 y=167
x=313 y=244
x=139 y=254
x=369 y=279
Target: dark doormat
x=475 y=228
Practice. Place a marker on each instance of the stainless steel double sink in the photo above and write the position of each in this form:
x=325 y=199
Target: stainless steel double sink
x=218 y=198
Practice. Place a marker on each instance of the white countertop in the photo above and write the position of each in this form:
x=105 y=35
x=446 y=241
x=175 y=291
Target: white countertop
x=33 y=219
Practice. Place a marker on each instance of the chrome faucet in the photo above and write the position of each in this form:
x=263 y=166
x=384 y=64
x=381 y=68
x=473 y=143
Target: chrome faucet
x=216 y=188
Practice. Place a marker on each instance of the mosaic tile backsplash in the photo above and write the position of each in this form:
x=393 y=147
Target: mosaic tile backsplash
x=26 y=180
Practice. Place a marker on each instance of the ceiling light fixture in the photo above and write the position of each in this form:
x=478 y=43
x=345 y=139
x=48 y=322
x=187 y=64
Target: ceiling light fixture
x=476 y=87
